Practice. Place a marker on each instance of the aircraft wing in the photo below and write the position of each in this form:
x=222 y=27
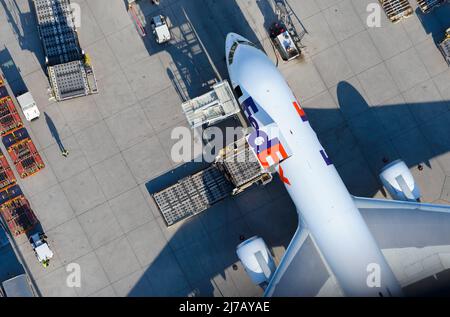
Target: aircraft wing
x=414 y=238
x=302 y=271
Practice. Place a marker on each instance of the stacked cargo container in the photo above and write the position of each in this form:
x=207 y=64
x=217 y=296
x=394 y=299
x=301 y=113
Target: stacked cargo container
x=9 y=118
x=14 y=207
x=23 y=152
x=16 y=139
x=16 y=211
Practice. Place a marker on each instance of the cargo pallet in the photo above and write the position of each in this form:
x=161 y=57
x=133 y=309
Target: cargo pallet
x=7 y=177
x=16 y=211
x=68 y=73
x=396 y=9
x=23 y=152
x=428 y=5
x=9 y=118
x=241 y=167
x=68 y=80
x=192 y=195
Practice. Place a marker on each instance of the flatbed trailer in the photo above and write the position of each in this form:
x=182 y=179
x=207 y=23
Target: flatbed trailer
x=396 y=9
x=9 y=117
x=69 y=75
x=428 y=5
x=192 y=195
x=235 y=169
x=23 y=152
x=16 y=211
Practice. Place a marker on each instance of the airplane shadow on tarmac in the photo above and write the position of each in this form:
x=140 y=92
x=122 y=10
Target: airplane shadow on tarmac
x=377 y=135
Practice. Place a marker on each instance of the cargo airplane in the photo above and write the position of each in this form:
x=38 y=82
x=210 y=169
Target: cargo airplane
x=329 y=216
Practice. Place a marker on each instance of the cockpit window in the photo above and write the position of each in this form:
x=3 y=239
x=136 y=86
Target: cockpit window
x=232 y=51
x=234 y=47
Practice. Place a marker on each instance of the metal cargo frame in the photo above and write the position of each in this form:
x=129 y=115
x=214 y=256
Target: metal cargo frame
x=428 y=5
x=69 y=73
x=69 y=80
x=57 y=31
x=240 y=166
x=7 y=177
x=16 y=211
x=192 y=195
x=9 y=118
x=396 y=9
x=23 y=153
x=212 y=107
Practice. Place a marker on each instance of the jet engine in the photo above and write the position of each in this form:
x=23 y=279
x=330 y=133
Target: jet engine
x=399 y=182
x=256 y=259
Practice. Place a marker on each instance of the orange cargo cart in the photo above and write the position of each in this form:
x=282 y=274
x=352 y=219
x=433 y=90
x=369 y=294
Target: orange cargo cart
x=9 y=118
x=7 y=177
x=16 y=211
x=23 y=152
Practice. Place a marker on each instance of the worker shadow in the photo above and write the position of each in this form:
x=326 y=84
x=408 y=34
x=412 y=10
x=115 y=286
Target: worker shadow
x=54 y=132
x=22 y=20
x=436 y=21
x=12 y=73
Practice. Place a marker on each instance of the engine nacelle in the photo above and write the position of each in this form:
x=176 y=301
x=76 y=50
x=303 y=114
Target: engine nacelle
x=256 y=259
x=399 y=182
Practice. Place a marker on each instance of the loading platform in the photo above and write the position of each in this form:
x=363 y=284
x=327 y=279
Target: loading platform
x=212 y=107
x=396 y=9
x=235 y=169
x=69 y=74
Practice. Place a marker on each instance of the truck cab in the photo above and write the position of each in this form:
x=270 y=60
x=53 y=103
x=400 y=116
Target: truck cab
x=160 y=29
x=28 y=106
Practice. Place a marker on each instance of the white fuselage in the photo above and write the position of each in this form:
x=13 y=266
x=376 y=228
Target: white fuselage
x=312 y=181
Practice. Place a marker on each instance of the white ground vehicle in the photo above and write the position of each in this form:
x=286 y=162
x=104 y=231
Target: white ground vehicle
x=41 y=249
x=28 y=106
x=160 y=29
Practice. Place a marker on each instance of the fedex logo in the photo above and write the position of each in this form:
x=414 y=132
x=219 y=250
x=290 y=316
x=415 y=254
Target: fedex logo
x=269 y=150
x=250 y=108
